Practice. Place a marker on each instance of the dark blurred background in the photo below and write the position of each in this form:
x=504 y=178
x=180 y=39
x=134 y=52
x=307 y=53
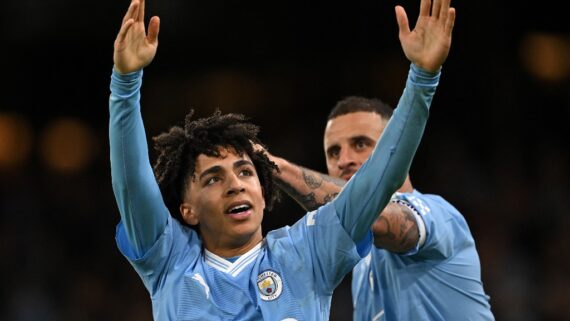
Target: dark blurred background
x=496 y=145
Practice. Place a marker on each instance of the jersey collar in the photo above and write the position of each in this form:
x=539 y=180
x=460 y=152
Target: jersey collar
x=233 y=268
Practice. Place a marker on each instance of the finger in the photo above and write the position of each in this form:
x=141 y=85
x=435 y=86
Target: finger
x=450 y=22
x=132 y=9
x=402 y=19
x=124 y=29
x=141 y=11
x=153 y=29
x=444 y=10
x=435 y=10
x=424 y=8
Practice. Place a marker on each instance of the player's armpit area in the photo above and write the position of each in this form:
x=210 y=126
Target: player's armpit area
x=396 y=229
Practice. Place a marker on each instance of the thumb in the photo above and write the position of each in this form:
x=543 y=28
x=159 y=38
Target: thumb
x=153 y=29
x=402 y=19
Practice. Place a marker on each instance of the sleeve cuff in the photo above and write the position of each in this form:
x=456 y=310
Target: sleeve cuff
x=422 y=77
x=122 y=84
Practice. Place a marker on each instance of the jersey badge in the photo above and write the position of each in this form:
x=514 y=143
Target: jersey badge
x=269 y=285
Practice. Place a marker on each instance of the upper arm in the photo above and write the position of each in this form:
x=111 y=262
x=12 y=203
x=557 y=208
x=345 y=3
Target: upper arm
x=445 y=229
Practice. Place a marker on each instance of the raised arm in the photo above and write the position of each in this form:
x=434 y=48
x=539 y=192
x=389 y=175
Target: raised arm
x=427 y=46
x=143 y=213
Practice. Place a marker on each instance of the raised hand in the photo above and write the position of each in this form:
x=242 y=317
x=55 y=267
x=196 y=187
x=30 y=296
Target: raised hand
x=428 y=44
x=134 y=49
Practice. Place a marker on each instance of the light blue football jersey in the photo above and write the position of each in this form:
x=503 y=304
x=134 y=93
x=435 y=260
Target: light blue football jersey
x=440 y=280
x=291 y=274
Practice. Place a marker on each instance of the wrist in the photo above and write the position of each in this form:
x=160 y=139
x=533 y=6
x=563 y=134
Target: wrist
x=281 y=163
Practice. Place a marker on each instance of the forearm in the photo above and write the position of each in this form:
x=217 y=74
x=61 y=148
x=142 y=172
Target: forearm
x=309 y=188
x=137 y=194
x=396 y=229
x=384 y=172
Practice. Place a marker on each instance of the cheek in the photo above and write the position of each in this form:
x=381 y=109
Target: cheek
x=364 y=153
x=332 y=168
x=258 y=194
x=204 y=203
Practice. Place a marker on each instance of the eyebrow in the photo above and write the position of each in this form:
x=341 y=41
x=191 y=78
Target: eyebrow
x=218 y=168
x=352 y=140
x=361 y=137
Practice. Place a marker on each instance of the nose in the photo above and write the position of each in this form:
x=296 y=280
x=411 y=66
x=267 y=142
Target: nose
x=235 y=185
x=346 y=159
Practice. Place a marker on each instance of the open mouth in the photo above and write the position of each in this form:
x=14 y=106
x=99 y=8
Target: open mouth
x=239 y=209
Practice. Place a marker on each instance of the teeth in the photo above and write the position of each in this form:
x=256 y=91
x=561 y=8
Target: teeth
x=239 y=208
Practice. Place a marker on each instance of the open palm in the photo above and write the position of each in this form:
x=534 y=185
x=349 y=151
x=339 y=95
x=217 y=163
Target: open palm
x=427 y=45
x=134 y=49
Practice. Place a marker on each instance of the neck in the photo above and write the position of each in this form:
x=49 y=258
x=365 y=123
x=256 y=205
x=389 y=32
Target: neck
x=227 y=250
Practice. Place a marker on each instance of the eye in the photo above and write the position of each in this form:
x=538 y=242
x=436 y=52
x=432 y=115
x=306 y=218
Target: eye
x=361 y=144
x=333 y=152
x=246 y=172
x=211 y=180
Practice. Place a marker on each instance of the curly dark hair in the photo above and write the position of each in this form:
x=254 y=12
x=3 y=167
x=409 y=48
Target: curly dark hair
x=179 y=148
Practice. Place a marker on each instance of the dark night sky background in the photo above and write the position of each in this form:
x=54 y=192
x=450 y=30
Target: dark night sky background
x=496 y=145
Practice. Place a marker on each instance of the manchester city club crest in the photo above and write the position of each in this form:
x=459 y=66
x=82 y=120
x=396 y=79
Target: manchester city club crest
x=269 y=285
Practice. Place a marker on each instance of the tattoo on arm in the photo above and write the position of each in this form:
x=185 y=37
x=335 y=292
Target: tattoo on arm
x=315 y=180
x=329 y=197
x=312 y=189
x=336 y=181
x=312 y=181
x=396 y=229
x=307 y=201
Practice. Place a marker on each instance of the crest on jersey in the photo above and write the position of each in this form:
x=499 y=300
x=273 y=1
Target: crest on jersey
x=269 y=285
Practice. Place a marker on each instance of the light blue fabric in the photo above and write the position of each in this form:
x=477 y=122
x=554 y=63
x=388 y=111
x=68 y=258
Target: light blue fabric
x=294 y=271
x=441 y=280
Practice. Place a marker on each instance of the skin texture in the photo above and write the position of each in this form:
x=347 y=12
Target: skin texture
x=134 y=48
x=349 y=140
x=218 y=185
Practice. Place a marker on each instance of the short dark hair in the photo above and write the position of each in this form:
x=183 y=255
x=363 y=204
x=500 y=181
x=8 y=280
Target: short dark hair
x=352 y=104
x=179 y=148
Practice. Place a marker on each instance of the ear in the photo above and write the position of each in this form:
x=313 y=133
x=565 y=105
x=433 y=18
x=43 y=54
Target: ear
x=188 y=214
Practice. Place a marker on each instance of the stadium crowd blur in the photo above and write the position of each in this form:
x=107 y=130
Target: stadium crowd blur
x=496 y=144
